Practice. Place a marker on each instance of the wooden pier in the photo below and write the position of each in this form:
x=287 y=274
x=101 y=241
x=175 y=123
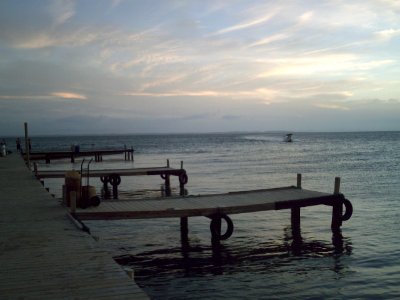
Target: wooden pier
x=219 y=206
x=98 y=154
x=113 y=176
x=42 y=253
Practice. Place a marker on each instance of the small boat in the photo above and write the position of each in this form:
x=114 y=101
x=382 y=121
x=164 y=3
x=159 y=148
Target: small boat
x=288 y=138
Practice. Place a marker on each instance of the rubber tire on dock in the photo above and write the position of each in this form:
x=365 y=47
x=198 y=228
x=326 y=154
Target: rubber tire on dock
x=214 y=230
x=349 y=210
x=183 y=178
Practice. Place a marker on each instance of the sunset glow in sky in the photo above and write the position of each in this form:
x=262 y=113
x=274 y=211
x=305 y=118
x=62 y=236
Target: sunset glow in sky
x=122 y=66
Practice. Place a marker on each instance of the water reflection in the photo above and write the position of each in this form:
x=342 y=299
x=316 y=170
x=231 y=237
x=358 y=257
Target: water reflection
x=223 y=258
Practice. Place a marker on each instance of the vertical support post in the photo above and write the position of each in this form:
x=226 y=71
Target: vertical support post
x=181 y=164
x=295 y=213
x=216 y=233
x=132 y=154
x=125 y=153
x=337 y=208
x=299 y=181
x=184 y=230
x=295 y=221
x=72 y=197
x=27 y=151
x=167 y=181
x=35 y=170
x=337 y=186
x=72 y=158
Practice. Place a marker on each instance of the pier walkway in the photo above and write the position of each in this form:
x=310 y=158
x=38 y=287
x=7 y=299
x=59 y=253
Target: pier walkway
x=42 y=254
x=96 y=153
x=218 y=206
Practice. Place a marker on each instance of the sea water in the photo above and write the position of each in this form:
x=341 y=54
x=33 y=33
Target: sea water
x=260 y=260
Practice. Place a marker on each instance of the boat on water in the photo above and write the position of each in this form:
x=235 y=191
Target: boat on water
x=288 y=138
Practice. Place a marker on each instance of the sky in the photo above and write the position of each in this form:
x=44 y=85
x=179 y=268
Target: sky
x=127 y=66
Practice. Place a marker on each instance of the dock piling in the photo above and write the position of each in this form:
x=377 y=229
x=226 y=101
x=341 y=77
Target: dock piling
x=299 y=180
x=295 y=214
x=337 y=209
x=27 y=150
x=35 y=168
x=184 y=230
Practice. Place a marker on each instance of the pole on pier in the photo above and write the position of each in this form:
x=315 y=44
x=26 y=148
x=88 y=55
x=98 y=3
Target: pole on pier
x=299 y=180
x=167 y=182
x=35 y=168
x=337 y=208
x=72 y=197
x=27 y=151
x=337 y=186
x=295 y=213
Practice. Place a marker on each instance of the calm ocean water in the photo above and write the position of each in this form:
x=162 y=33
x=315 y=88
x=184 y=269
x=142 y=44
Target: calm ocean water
x=260 y=260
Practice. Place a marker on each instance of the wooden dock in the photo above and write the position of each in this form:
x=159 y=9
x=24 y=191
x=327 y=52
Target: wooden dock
x=219 y=206
x=162 y=171
x=42 y=254
x=113 y=176
x=98 y=154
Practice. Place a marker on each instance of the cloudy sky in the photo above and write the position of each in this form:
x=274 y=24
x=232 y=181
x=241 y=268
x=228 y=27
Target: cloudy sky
x=128 y=66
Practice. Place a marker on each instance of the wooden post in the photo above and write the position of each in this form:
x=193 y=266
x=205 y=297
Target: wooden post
x=132 y=154
x=184 y=229
x=295 y=221
x=167 y=182
x=295 y=213
x=35 y=170
x=181 y=164
x=215 y=236
x=27 y=151
x=337 y=186
x=299 y=180
x=126 y=157
x=72 y=197
x=337 y=208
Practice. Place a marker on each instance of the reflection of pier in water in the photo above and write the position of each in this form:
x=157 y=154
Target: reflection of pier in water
x=218 y=259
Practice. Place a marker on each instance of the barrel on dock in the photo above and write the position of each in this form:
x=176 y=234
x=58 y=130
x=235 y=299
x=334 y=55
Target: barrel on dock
x=89 y=197
x=72 y=183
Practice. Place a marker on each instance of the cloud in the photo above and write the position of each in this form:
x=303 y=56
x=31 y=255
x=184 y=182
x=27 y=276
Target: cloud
x=66 y=95
x=270 y=39
x=322 y=65
x=387 y=34
x=246 y=24
x=306 y=17
x=62 y=95
x=61 y=10
x=331 y=106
